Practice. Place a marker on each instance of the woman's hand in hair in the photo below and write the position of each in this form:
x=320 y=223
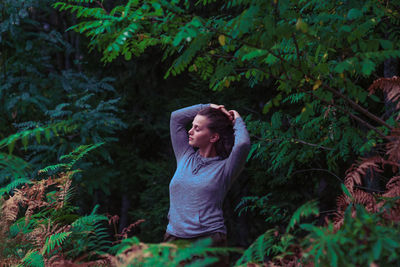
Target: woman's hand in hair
x=223 y=109
x=234 y=114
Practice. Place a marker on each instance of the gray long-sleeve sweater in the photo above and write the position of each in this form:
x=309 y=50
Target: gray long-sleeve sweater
x=199 y=185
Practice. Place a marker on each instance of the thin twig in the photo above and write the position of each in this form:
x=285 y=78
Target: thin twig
x=295 y=140
x=348 y=113
x=316 y=169
x=358 y=107
x=337 y=177
x=297 y=48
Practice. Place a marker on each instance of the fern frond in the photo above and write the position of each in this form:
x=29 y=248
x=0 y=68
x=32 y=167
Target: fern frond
x=66 y=126
x=305 y=210
x=391 y=86
x=64 y=193
x=53 y=241
x=393 y=187
x=54 y=168
x=79 y=152
x=258 y=249
x=357 y=171
x=124 y=245
x=11 y=206
x=14 y=165
x=33 y=258
x=393 y=148
x=14 y=184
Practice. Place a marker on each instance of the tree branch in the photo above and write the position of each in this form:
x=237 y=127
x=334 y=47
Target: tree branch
x=358 y=107
x=337 y=177
x=297 y=48
x=295 y=140
x=350 y=114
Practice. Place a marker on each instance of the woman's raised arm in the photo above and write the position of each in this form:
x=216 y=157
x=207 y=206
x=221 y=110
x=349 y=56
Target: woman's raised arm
x=179 y=136
x=241 y=147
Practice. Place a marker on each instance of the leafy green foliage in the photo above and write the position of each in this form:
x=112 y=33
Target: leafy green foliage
x=306 y=63
x=89 y=235
x=34 y=259
x=257 y=251
x=309 y=208
x=14 y=184
x=132 y=252
x=41 y=99
x=54 y=240
x=314 y=58
x=41 y=235
x=363 y=239
x=263 y=205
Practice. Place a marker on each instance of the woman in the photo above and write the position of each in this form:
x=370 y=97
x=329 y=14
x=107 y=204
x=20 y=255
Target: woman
x=203 y=176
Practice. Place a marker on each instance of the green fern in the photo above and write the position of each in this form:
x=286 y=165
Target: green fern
x=257 y=251
x=34 y=259
x=66 y=126
x=193 y=254
x=54 y=241
x=14 y=166
x=72 y=157
x=304 y=211
x=14 y=184
x=89 y=235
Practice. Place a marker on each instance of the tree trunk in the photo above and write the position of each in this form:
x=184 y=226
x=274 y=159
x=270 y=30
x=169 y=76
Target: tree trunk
x=123 y=219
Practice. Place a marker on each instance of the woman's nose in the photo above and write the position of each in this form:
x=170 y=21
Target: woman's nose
x=190 y=131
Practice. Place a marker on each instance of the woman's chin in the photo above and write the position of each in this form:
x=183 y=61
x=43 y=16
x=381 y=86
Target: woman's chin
x=191 y=143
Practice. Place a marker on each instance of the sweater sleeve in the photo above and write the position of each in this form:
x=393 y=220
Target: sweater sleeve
x=236 y=160
x=179 y=135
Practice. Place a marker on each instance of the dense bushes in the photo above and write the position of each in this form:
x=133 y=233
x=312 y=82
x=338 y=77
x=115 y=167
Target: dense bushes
x=298 y=71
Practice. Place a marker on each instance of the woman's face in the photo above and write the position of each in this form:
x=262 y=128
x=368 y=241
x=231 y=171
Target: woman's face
x=199 y=135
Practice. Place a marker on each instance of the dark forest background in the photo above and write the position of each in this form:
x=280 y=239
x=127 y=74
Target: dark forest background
x=316 y=84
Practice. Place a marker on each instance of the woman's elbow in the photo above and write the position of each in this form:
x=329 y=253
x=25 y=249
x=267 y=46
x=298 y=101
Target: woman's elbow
x=245 y=146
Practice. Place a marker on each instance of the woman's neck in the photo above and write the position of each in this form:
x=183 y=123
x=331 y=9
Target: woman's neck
x=208 y=152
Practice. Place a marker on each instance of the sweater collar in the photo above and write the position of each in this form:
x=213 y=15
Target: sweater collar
x=203 y=161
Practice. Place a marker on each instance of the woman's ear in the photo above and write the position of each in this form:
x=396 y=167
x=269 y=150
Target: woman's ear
x=214 y=137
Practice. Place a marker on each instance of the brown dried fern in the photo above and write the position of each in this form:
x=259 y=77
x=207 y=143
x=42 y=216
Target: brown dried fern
x=357 y=171
x=353 y=179
x=393 y=148
x=11 y=206
x=64 y=187
x=391 y=86
x=359 y=197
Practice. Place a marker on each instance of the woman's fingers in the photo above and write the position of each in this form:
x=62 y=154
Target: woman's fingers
x=234 y=115
x=223 y=109
x=229 y=115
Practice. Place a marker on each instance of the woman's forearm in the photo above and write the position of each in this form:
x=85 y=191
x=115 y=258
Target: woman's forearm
x=179 y=119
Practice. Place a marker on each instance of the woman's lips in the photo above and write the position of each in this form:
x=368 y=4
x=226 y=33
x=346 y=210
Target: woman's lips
x=190 y=138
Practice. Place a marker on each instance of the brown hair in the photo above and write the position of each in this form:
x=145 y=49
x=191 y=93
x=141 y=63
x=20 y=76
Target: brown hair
x=221 y=124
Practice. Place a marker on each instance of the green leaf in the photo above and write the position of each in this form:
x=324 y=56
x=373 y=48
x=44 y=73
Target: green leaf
x=307 y=209
x=354 y=14
x=254 y=54
x=386 y=44
x=34 y=259
x=24 y=141
x=37 y=135
x=47 y=134
x=342 y=66
x=377 y=249
x=253 y=148
x=11 y=146
x=367 y=67
x=346 y=191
